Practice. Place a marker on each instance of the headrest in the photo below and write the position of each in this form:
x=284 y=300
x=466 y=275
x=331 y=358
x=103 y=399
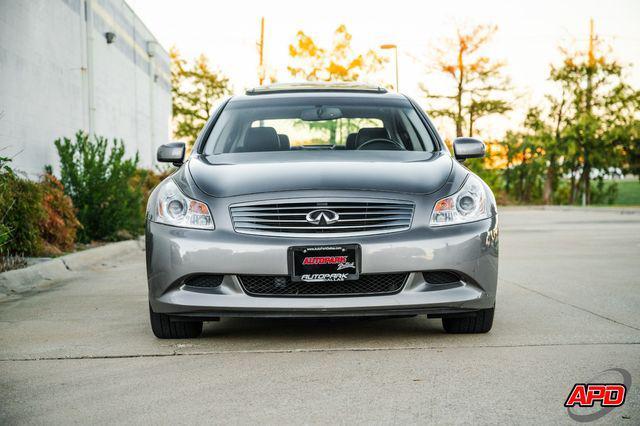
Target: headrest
x=351 y=140
x=367 y=133
x=260 y=139
x=284 y=142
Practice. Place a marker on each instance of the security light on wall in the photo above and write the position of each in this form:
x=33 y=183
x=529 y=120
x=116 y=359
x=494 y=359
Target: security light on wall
x=110 y=36
x=151 y=48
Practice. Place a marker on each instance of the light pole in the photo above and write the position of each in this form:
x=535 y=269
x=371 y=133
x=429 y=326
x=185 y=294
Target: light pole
x=395 y=48
x=261 y=70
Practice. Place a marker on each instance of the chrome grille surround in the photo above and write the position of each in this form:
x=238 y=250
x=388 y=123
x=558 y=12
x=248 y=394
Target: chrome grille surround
x=287 y=217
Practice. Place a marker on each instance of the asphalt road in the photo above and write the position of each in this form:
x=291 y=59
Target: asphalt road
x=568 y=308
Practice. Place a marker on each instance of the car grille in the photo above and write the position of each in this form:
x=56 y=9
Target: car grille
x=290 y=217
x=374 y=284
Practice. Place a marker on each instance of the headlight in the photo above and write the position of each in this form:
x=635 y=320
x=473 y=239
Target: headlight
x=467 y=205
x=174 y=208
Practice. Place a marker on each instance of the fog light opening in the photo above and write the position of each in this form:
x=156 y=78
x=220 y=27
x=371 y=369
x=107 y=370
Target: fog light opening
x=440 y=277
x=204 y=281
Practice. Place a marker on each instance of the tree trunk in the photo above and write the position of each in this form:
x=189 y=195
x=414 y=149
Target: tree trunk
x=459 y=117
x=572 y=192
x=507 y=179
x=521 y=178
x=549 y=182
x=586 y=183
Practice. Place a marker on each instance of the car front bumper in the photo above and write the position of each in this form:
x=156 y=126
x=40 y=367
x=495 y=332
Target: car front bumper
x=470 y=250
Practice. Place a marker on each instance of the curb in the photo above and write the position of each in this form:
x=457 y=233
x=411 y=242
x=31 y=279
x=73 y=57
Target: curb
x=42 y=276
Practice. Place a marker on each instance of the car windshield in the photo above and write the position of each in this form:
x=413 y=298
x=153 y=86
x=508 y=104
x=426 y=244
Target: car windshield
x=306 y=124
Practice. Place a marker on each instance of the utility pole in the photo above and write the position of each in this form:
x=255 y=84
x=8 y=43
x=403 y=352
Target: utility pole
x=261 y=71
x=395 y=48
x=592 y=56
x=397 y=78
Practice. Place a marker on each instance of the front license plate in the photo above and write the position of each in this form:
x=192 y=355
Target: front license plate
x=324 y=263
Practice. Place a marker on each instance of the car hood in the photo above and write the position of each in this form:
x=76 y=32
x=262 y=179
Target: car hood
x=228 y=175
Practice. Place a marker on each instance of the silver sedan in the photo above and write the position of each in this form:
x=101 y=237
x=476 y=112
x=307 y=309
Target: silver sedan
x=321 y=200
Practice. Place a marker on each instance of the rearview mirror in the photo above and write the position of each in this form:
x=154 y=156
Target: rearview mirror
x=464 y=148
x=172 y=153
x=321 y=113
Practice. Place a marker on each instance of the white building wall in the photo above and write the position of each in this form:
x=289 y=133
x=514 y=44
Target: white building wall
x=57 y=77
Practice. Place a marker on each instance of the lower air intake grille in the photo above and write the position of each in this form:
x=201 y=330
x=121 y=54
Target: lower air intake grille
x=206 y=281
x=375 y=284
x=440 y=277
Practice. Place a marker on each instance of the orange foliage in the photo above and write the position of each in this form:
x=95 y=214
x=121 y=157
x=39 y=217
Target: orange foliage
x=59 y=226
x=338 y=63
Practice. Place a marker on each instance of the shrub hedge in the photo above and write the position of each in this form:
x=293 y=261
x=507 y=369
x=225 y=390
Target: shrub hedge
x=22 y=212
x=100 y=196
x=98 y=179
x=60 y=225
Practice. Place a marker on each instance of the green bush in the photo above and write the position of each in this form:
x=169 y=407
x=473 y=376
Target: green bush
x=490 y=176
x=5 y=232
x=603 y=192
x=148 y=180
x=22 y=212
x=98 y=179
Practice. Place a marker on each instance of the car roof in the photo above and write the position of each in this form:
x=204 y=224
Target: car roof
x=316 y=87
x=321 y=92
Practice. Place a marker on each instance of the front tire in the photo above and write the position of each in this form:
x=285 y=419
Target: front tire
x=479 y=322
x=164 y=328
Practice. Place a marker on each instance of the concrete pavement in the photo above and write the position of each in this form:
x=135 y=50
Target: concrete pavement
x=48 y=273
x=568 y=308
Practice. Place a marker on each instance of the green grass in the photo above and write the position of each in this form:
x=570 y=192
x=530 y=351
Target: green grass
x=628 y=193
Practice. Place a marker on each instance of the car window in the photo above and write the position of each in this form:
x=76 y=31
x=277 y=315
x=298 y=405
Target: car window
x=303 y=134
x=317 y=125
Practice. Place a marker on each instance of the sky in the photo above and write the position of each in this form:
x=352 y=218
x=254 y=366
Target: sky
x=529 y=34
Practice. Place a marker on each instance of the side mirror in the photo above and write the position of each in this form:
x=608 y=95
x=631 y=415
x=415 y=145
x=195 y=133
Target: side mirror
x=464 y=148
x=172 y=153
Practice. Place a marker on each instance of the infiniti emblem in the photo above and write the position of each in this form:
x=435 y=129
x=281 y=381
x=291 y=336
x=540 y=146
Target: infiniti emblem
x=322 y=217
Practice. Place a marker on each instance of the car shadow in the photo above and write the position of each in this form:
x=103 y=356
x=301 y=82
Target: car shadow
x=337 y=329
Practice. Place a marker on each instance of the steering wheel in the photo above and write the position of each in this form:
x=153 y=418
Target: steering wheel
x=391 y=144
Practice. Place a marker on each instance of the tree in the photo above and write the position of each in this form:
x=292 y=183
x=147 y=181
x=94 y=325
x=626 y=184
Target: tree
x=477 y=82
x=195 y=89
x=587 y=129
x=526 y=163
x=339 y=63
x=600 y=121
x=547 y=127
